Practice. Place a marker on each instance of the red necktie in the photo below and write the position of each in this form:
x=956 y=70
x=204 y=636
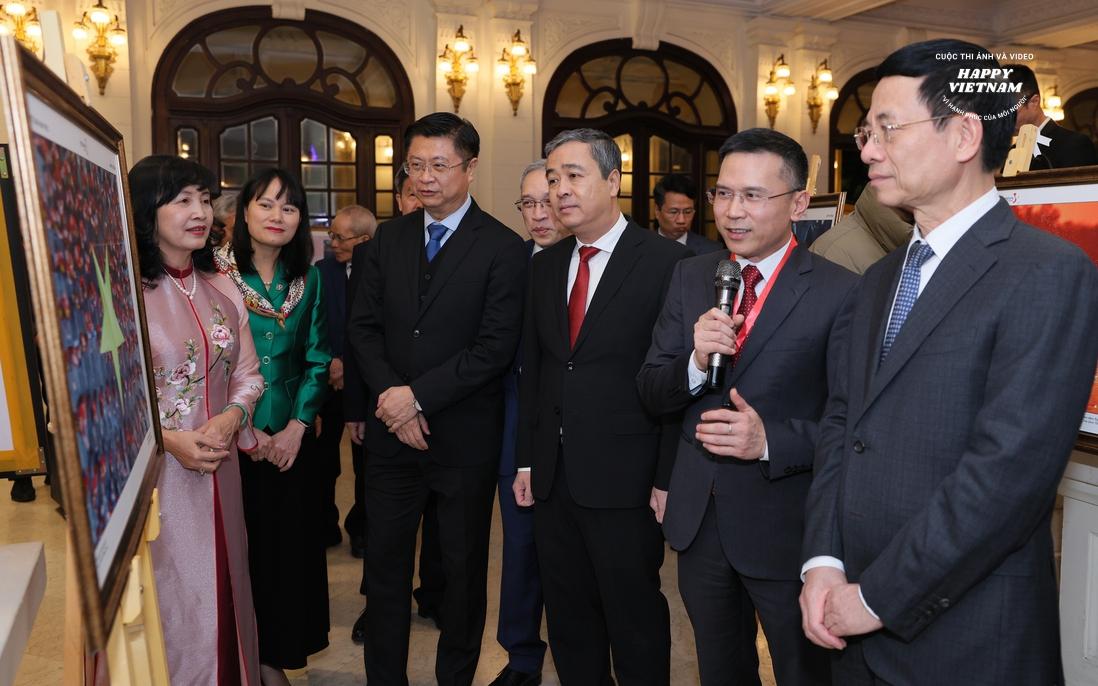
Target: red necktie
x=751 y=278
x=577 y=301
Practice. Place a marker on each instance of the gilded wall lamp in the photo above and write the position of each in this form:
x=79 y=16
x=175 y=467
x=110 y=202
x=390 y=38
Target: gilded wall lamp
x=457 y=63
x=21 y=20
x=1053 y=105
x=514 y=65
x=820 y=88
x=776 y=86
x=107 y=35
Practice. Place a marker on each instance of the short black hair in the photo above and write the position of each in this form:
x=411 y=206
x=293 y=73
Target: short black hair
x=399 y=180
x=673 y=183
x=446 y=125
x=1022 y=74
x=295 y=256
x=938 y=63
x=154 y=182
x=794 y=161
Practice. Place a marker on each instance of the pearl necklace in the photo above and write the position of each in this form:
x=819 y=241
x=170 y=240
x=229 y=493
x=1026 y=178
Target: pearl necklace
x=178 y=283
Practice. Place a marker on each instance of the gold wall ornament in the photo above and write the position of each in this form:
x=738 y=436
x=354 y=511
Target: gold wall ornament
x=514 y=65
x=775 y=87
x=457 y=63
x=107 y=36
x=820 y=88
x=20 y=19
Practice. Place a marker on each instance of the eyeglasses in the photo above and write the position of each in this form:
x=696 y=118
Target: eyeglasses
x=528 y=205
x=675 y=212
x=752 y=198
x=416 y=167
x=864 y=134
x=336 y=238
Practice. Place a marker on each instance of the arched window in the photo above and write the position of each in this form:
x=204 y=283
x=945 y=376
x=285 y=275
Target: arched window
x=1081 y=113
x=240 y=91
x=847 y=114
x=669 y=111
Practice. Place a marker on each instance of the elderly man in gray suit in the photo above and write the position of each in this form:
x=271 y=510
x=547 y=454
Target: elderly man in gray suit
x=967 y=358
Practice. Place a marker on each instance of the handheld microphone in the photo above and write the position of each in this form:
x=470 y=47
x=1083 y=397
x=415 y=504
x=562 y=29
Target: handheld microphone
x=725 y=282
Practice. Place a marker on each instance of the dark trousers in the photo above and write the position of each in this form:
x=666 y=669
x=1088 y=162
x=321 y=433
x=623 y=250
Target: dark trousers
x=722 y=603
x=328 y=457
x=849 y=668
x=396 y=494
x=600 y=571
x=355 y=521
x=432 y=580
x=520 y=602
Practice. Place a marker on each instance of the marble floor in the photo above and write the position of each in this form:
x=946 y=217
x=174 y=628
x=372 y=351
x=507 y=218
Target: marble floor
x=341 y=663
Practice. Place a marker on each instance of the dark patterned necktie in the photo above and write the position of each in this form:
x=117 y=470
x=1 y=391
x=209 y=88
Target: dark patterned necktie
x=751 y=278
x=907 y=293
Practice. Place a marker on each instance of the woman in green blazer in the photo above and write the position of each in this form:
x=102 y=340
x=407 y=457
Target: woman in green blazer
x=269 y=261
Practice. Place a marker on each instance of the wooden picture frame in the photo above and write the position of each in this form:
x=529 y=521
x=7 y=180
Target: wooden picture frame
x=1041 y=198
x=72 y=194
x=823 y=212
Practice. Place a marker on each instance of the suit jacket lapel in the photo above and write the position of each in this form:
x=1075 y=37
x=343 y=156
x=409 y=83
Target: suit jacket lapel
x=456 y=246
x=791 y=284
x=966 y=263
x=625 y=255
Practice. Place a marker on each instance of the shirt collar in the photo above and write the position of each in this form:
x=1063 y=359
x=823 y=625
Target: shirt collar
x=942 y=239
x=767 y=265
x=680 y=239
x=451 y=222
x=608 y=240
x=1042 y=126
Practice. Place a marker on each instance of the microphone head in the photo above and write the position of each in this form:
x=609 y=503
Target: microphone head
x=728 y=273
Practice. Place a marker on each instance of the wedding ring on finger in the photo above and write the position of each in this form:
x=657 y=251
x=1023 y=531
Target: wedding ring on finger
x=729 y=427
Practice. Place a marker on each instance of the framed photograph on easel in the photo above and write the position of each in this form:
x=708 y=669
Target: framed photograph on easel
x=1063 y=202
x=822 y=213
x=69 y=167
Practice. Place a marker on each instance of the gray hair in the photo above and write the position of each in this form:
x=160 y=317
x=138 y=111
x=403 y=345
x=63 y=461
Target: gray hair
x=603 y=148
x=362 y=220
x=531 y=168
x=224 y=207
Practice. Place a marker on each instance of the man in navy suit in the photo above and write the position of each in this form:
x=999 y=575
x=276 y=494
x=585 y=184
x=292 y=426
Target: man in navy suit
x=1055 y=147
x=520 y=601
x=351 y=226
x=735 y=507
x=955 y=398
x=676 y=205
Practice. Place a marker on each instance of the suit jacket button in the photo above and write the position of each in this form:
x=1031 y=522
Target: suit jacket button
x=427 y=277
x=570 y=366
x=943 y=603
x=415 y=334
x=556 y=410
x=859 y=447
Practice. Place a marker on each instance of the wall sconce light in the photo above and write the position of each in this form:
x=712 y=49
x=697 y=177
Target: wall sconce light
x=21 y=21
x=821 y=80
x=107 y=34
x=776 y=86
x=457 y=63
x=514 y=65
x=1053 y=106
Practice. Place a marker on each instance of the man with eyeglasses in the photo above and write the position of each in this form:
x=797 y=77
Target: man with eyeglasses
x=957 y=393
x=433 y=328
x=735 y=506
x=675 y=208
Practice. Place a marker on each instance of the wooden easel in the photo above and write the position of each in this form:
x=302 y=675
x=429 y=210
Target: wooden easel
x=813 y=173
x=135 y=653
x=1021 y=155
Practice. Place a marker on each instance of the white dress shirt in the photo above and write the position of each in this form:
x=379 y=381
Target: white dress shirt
x=941 y=240
x=680 y=239
x=451 y=222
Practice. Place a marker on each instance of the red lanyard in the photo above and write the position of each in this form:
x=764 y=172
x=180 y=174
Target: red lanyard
x=749 y=323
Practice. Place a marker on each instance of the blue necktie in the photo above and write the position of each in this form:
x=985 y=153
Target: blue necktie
x=434 y=243
x=909 y=291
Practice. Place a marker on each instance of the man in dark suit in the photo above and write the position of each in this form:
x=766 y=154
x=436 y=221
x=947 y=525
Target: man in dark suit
x=965 y=361
x=1056 y=146
x=351 y=226
x=593 y=449
x=434 y=328
x=520 y=599
x=676 y=205
x=735 y=510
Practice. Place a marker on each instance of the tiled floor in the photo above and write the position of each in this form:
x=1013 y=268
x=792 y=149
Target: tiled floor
x=341 y=663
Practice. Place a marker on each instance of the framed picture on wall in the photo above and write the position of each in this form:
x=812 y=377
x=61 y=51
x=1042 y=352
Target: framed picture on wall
x=822 y=213
x=1063 y=202
x=69 y=167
